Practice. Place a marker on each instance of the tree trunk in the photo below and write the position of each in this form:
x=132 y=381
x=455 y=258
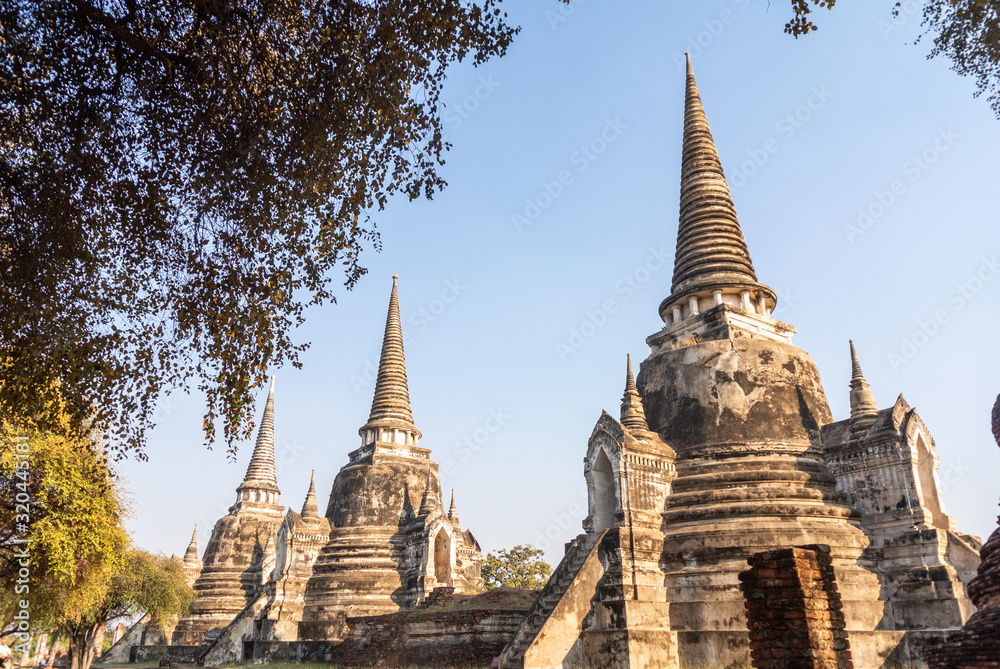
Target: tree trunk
x=75 y=649
x=79 y=648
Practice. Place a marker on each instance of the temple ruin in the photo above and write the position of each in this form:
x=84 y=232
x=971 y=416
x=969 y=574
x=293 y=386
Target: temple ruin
x=726 y=448
x=384 y=544
x=977 y=644
x=391 y=540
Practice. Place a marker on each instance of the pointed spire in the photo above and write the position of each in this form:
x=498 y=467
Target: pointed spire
x=191 y=554
x=632 y=416
x=863 y=407
x=309 y=507
x=855 y=365
x=429 y=498
x=391 y=403
x=260 y=484
x=260 y=472
x=712 y=264
x=452 y=511
x=710 y=243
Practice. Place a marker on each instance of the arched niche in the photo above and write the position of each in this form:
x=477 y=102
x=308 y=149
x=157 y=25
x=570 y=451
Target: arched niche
x=442 y=558
x=604 y=498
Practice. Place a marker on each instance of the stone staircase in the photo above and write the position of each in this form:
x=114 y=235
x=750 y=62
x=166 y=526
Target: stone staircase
x=580 y=551
x=224 y=646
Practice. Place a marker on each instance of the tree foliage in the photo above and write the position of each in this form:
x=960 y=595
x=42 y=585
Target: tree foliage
x=519 y=567
x=74 y=531
x=179 y=180
x=967 y=32
x=801 y=22
x=144 y=584
x=153 y=584
x=83 y=569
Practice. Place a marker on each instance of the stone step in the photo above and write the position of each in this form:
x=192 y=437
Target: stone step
x=560 y=581
x=531 y=626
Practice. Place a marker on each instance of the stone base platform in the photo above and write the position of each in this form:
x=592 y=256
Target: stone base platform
x=266 y=652
x=156 y=653
x=470 y=638
x=870 y=650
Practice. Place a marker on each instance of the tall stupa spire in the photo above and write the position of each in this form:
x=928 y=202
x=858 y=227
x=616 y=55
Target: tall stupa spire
x=632 y=416
x=712 y=266
x=261 y=483
x=391 y=404
x=710 y=243
x=863 y=407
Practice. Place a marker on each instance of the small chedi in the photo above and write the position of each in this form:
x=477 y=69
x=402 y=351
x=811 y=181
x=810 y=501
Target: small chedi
x=726 y=448
x=384 y=544
x=192 y=565
x=977 y=645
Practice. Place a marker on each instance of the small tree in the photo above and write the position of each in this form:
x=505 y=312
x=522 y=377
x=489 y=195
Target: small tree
x=519 y=567
x=74 y=533
x=83 y=571
x=146 y=583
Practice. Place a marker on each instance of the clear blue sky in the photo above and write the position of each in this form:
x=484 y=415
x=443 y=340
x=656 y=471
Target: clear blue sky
x=810 y=131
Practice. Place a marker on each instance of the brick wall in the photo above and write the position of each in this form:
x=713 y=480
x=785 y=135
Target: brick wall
x=794 y=614
x=976 y=646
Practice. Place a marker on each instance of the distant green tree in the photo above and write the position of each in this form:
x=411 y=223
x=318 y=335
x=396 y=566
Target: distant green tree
x=145 y=583
x=519 y=567
x=63 y=500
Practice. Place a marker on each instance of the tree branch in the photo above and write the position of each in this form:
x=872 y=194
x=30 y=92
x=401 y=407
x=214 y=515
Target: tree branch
x=115 y=29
